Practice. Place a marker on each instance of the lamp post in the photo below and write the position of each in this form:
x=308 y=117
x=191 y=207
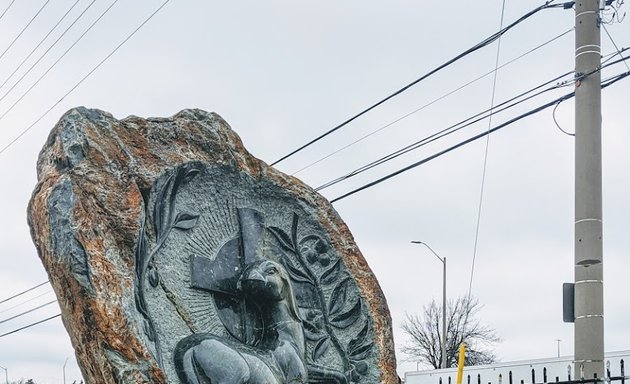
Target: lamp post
x=64 y=370
x=443 y=260
x=558 y=340
x=6 y=374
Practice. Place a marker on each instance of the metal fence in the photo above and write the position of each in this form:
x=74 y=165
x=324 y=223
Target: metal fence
x=542 y=377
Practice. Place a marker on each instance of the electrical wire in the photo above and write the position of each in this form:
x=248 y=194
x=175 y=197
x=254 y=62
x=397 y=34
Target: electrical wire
x=40 y=43
x=434 y=156
x=48 y=50
x=23 y=292
x=6 y=9
x=467 y=52
x=614 y=15
x=454 y=128
x=614 y=54
x=24 y=29
x=18 y=137
x=431 y=102
x=26 y=301
x=30 y=325
x=465 y=123
x=614 y=44
x=474 y=138
x=553 y=115
x=53 y=64
x=484 y=171
x=27 y=312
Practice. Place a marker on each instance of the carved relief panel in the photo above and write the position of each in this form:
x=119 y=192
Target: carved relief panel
x=237 y=281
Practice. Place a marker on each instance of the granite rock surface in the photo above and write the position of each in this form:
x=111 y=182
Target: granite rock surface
x=145 y=227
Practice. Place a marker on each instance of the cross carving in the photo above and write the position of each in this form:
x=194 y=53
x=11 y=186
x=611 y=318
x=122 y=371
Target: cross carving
x=221 y=274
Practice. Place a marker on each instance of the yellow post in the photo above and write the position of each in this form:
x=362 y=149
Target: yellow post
x=460 y=363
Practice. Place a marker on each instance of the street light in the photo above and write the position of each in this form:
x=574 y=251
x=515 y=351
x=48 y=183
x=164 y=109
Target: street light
x=6 y=374
x=64 y=370
x=443 y=260
x=558 y=340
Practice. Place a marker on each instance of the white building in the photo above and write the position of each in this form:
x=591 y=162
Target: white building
x=518 y=372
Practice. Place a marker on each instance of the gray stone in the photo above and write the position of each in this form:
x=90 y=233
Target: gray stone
x=179 y=257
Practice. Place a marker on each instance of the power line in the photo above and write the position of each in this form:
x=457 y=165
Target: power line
x=614 y=54
x=51 y=47
x=6 y=9
x=474 y=48
x=27 y=312
x=23 y=292
x=452 y=128
x=82 y=80
x=434 y=156
x=614 y=44
x=484 y=168
x=55 y=63
x=474 y=138
x=26 y=301
x=553 y=115
x=462 y=124
x=30 y=325
x=40 y=43
x=23 y=29
x=431 y=102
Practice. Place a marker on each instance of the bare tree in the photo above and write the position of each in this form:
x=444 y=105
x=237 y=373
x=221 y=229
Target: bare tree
x=462 y=325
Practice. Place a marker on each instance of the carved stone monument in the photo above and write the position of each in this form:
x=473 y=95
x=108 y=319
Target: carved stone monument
x=178 y=257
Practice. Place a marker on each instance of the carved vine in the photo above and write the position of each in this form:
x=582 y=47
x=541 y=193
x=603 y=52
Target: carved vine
x=165 y=220
x=337 y=313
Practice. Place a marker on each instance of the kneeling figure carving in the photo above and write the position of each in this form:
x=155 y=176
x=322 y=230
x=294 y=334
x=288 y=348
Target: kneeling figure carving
x=279 y=357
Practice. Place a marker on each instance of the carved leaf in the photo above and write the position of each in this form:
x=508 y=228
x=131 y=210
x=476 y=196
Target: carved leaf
x=321 y=347
x=294 y=228
x=358 y=340
x=148 y=330
x=160 y=213
x=338 y=297
x=191 y=174
x=331 y=274
x=154 y=277
x=283 y=238
x=295 y=273
x=179 y=177
x=347 y=318
x=185 y=220
x=309 y=325
x=312 y=336
x=141 y=263
x=362 y=352
x=308 y=238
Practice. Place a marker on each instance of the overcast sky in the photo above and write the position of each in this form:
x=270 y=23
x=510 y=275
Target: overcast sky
x=283 y=72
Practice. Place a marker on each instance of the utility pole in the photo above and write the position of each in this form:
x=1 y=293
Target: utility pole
x=589 y=287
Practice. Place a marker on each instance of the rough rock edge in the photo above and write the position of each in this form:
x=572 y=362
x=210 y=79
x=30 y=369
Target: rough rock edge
x=81 y=140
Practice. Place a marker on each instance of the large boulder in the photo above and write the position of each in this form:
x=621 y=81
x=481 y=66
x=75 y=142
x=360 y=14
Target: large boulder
x=177 y=256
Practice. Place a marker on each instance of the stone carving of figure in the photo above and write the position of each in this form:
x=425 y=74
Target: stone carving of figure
x=279 y=358
x=256 y=303
x=206 y=358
